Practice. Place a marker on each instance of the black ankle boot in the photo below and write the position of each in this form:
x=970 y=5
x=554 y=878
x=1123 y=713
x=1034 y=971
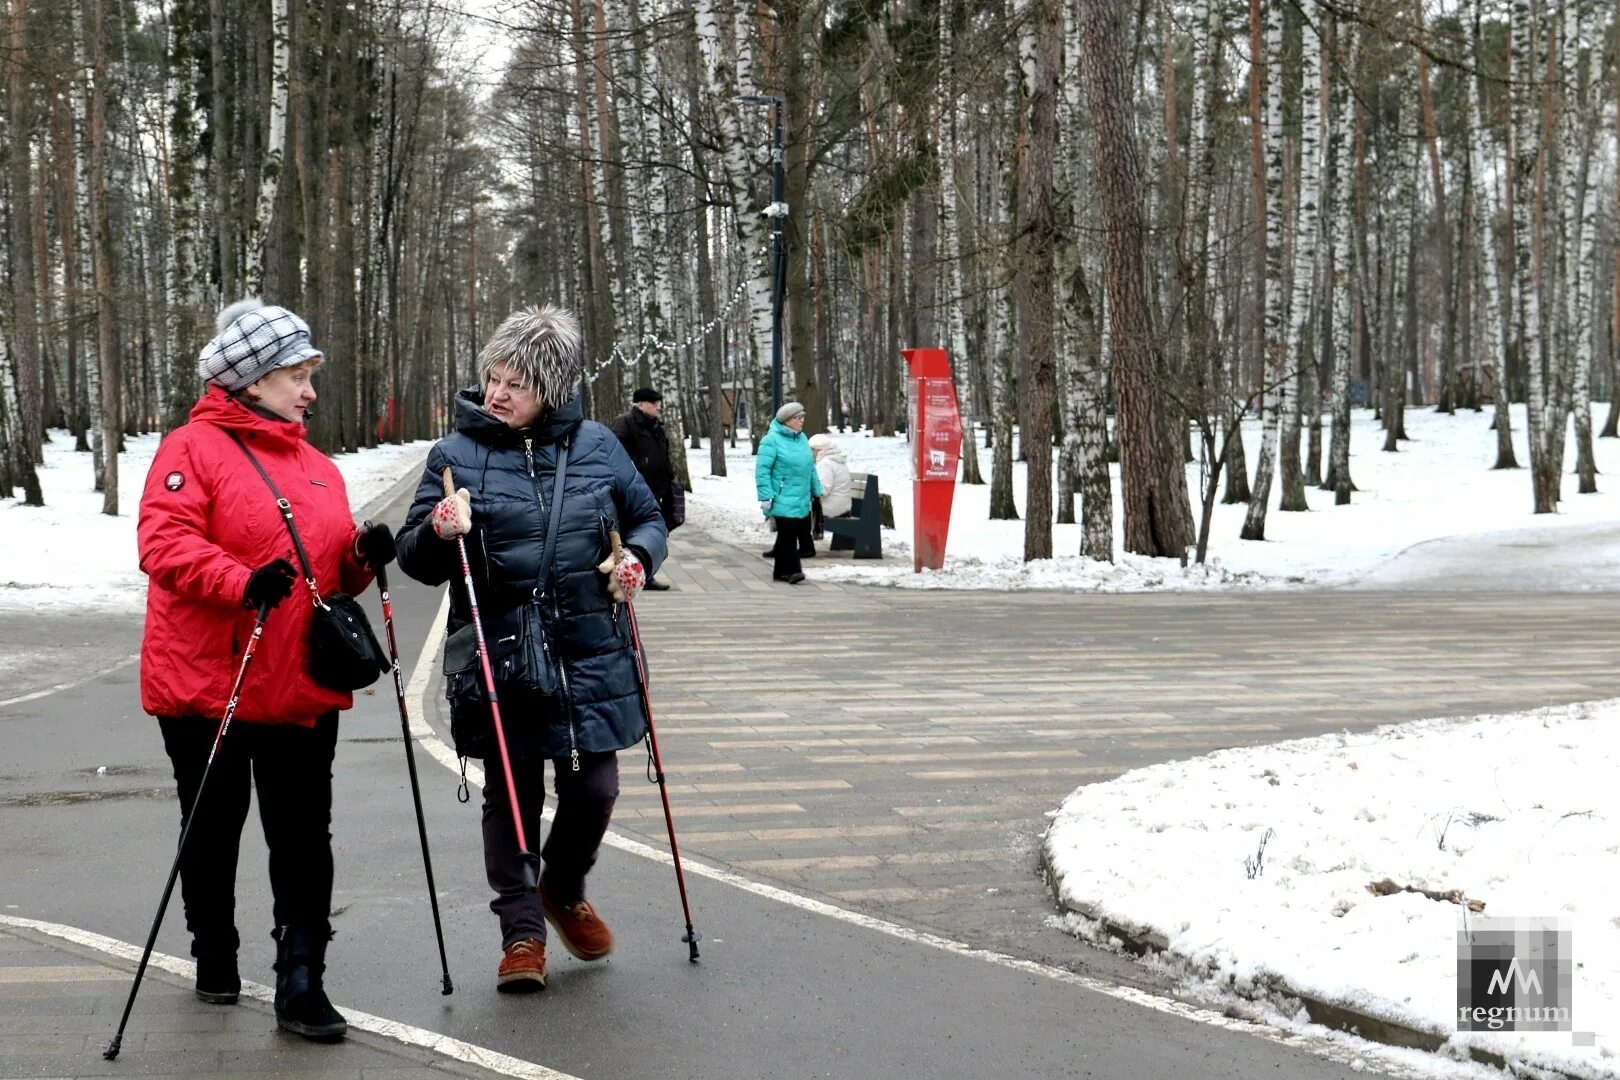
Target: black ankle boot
x=301 y=1003
x=217 y=980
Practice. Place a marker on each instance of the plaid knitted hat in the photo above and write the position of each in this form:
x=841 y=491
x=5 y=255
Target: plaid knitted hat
x=254 y=339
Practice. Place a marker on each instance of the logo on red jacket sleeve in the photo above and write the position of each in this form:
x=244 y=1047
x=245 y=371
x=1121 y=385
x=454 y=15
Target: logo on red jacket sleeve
x=174 y=481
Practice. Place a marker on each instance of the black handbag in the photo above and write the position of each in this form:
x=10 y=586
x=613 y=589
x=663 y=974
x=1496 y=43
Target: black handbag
x=677 y=516
x=520 y=653
x=343 y=649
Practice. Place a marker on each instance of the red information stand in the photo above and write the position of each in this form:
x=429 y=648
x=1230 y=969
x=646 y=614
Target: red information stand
x=936 y=447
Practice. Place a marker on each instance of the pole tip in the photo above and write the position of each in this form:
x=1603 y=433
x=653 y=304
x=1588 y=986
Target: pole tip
x=111 y=1052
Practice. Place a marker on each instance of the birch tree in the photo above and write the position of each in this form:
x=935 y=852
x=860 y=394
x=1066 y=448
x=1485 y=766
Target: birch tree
x=1307 y=223
x=1275 y=385
x=23 y=396
x=1496 y=273
x=269 y=178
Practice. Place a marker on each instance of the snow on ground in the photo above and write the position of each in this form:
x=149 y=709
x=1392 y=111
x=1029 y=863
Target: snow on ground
x=1437 y=493
x=1520 y=812
x=67 y=554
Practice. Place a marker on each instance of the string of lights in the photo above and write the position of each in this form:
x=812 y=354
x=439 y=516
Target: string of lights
x=652 y=342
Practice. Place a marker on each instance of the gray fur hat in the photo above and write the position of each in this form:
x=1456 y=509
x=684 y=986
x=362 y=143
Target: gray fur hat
x=254 y=339
x=542 y=345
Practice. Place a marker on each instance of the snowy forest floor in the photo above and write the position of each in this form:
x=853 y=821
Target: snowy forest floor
x=1433 y=513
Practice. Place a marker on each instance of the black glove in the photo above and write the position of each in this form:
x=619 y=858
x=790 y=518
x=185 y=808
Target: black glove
x=270 y=584
x=374 y=544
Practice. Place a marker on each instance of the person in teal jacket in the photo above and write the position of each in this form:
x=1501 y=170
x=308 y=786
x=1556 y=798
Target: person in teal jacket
x=786 y=480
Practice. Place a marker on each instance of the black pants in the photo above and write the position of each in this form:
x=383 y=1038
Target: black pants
x=584 y=807
x=291 y=767
x=792 y=543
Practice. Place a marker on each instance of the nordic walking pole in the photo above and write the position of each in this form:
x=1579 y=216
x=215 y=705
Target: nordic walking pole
x=531 y=864
x=410 y=764
x=691 y=937
x=174 y=871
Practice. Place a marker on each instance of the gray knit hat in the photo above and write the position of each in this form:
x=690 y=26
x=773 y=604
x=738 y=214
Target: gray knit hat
x=254 y=339
x=789 y=411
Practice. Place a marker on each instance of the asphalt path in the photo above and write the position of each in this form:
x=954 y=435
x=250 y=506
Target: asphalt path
x=782 y=989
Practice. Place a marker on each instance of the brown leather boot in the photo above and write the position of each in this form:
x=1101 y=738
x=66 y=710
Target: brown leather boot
x=581 y=929
x=523 y=967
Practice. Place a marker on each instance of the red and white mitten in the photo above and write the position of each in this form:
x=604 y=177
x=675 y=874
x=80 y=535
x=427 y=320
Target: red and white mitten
x=626 y=578
x=452 y=515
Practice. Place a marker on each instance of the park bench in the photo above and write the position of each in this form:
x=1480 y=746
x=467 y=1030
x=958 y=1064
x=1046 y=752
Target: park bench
x=869 y=512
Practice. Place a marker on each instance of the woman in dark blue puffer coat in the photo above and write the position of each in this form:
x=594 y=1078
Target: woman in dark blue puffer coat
x=503 y=456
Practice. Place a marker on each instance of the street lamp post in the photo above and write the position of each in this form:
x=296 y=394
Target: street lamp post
x=777 y=212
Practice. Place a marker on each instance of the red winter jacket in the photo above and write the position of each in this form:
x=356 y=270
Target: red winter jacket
x=208 y=520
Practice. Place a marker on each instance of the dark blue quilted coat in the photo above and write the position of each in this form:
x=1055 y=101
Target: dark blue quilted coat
x=590 y=632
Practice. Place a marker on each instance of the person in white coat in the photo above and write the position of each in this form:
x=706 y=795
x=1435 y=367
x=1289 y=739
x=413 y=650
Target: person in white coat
x=833 y=469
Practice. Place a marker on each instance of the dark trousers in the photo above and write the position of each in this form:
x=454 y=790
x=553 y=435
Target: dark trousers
x=584 y=807
x=291 y=767
x=792 y=543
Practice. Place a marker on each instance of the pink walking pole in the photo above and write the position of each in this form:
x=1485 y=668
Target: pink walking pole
x=531 y=864
x=691 y=937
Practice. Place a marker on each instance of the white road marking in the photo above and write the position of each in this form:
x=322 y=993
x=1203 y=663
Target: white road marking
x=59 y=687
x=469 y=1053
x=1354 y=1055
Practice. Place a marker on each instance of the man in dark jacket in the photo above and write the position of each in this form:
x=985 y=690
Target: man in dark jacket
x=641 y=430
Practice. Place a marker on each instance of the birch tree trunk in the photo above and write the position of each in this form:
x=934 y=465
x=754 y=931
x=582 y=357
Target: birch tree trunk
x=950 y=216
x=1274 y=383
x=1340 y=275
x=101 y=257
x=727 y=63
x=274 y=149
x=1003 y=505
x=27 y=434
x=1583 y=243
x=1307 y=227
x=1529 y=201
x=1495 y=272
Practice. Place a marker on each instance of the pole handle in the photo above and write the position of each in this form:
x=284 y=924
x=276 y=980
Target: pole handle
x=449 y=483
x=618 y=545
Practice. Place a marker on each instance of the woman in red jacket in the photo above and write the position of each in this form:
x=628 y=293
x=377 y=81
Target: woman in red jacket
x=215 y=547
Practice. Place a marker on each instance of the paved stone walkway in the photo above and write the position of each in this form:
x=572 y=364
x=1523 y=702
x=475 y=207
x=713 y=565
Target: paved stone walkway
x=897 y=751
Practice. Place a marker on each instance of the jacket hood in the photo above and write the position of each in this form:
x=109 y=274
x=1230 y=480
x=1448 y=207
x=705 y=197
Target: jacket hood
x=551 y=426
x=222 y=410
x=827 y=450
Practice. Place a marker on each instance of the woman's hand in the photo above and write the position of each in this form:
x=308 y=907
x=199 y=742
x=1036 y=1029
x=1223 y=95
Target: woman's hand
x=625 y=578
x=270 y=584
x=374 y=544
x=452 y=515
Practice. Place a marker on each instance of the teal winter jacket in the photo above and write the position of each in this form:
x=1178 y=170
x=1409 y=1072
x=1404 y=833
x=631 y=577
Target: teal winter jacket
x=785 y=472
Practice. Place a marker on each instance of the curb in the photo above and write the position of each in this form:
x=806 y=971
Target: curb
x=1328 y=1014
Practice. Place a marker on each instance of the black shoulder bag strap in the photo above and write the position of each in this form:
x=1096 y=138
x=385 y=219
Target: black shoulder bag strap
x=548 y=549
x=286 y=515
